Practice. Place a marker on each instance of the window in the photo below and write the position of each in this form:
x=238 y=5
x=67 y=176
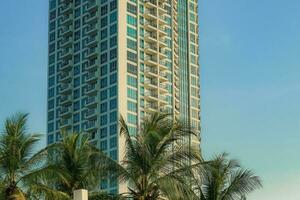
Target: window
x=131 y=32
x=103 y=95
x=103 y=45
x=103 y=34
x=113 y=5
x=113 y=41
x=76 y=106
x=50 y=139
x=51 y=104
x=77 y=82
x=113 y=29
x=113 y=17
x=104 y=10
x=131 y=69
x=104 y=21
x=52 y=26
x=103 y=82
x=113 y=129
x=103 y=120
x=103 y=58
x=113 y=142
x=103 y=133
x=51 y=81
x=113 y=66
x=51 y=92
x=132 y=119
x=113 y=91
x=113 y=53
x=131 y=56
x=76 y=118
x=50 y=127
x=131 y=8
x=51 y=70
x=103 y=70
x=131 y=20
x=131 y=44
x=103 y=107
x=132 y=93
x=131 y=106
x=103 y=145
x=113 y=117
x=113 y=104
x=113 y=78
x=131 y=81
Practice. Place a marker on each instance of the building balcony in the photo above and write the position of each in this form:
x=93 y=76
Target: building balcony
x=150 y=14
x=90 y=126
x=67 y=53
x=66 y=112
x=90 y=114
x=150 y=60
x=151 y=107
x=91 y=29
x=91 y=77
x=67 y=19
x=150 y=26
x=91 y=18
x=150 y=3
x=65 y=89
x=65 y=123
x=163 y=65
x=150 y=37
x=151 y=49
x=163 y=88
x=92 y=41
x=66 y=65
x=66 y=42
x=91 y=102
x=92 y=65
x=151 y=84
x=66 y=9
x=65 y=77
x=162 y=42
x=67 y=30
x=92 y=52
x=163 y=76
x=151 y=96
x=163 y=100
x=66 y=100
x=151 y=71
x=91 y=90
x=91 y=6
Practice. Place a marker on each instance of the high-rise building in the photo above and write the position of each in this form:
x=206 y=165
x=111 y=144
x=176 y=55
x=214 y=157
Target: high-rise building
x=120 y=57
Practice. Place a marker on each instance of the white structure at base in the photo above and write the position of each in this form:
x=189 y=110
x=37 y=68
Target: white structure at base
x=80 y=195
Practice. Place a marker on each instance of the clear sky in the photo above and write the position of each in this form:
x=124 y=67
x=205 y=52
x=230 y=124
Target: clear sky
x=250 y=81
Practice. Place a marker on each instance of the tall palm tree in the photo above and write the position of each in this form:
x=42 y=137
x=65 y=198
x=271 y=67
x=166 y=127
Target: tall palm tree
x=223 y=179
x=77 y=164
x=18 y=163
x=157 y=158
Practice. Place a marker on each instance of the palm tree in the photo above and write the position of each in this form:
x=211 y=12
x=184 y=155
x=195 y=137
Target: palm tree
x=77 y=164
x=157 y=158
x=18 y=163
x=223 y=179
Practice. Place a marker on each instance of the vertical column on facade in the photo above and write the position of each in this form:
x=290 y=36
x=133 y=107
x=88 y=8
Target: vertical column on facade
x=91 y=68
x=155 y=68
x=66 y=63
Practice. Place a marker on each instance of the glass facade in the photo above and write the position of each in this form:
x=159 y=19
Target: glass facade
x=120 y=57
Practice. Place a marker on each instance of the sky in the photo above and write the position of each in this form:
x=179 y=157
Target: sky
x=250 y=85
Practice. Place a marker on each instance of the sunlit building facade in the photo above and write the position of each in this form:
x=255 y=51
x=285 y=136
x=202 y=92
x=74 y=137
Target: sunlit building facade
x=121 y=57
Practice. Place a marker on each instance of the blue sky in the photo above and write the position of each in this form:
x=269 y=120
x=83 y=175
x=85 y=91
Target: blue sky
x=250 y=86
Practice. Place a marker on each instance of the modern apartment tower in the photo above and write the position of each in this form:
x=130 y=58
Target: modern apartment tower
x=120 y=57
